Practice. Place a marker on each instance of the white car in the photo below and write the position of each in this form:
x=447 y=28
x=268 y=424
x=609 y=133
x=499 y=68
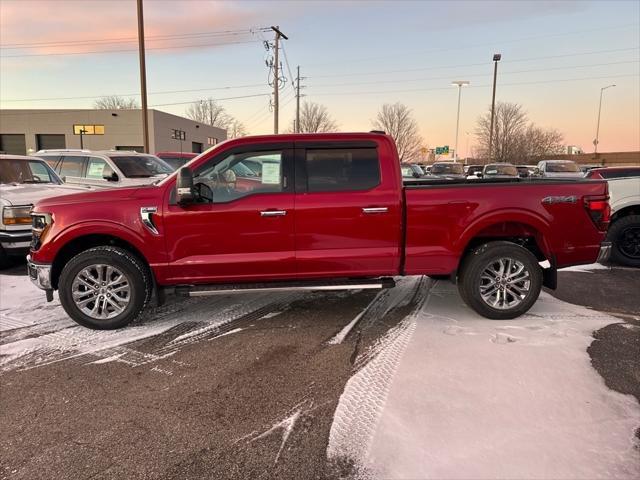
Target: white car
x=624 y=198
x=558 y=169
x=110 y=168
x=23 y=181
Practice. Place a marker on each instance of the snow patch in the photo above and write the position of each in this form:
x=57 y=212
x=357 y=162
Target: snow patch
x=464 y=400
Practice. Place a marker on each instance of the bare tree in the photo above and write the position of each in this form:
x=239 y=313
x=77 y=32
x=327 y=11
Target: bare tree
x=115 y=102
x=209 y=112
x=397 y=120
x=515 y=139
x=236 y=129
x=314 y=118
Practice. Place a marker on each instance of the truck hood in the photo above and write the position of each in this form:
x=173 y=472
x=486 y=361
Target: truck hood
x=111 y=195
x=31 y=193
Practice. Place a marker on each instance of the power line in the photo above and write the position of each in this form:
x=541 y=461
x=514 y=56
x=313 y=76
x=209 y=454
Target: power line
x=131 y=39
x=213 y=100
x=134 y=94
x=471 y=64
x=478 y=86
x=476 y=74
x=492 y=44
x=127 y=50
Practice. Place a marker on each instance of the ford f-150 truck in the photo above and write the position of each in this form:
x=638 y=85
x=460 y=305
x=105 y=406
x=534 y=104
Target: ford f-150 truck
x=327 y=211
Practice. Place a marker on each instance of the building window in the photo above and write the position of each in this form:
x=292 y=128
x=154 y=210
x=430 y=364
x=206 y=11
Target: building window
x=212 y=141
x=178 y=134
x=88 y=129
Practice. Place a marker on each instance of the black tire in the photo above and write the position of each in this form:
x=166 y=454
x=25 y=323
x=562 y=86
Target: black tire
x=624 y=234
x=5 y=260
x=129 y=264
x=480 y=258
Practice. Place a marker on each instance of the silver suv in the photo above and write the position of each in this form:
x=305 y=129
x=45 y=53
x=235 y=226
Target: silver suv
x=109 y=168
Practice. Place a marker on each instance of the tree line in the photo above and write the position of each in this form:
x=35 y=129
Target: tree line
x=515 y=138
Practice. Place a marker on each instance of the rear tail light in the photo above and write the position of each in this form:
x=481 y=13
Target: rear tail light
x=599 y=210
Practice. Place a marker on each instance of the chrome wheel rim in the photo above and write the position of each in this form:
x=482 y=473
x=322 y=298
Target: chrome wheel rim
x=101 y=291
x=504 y=283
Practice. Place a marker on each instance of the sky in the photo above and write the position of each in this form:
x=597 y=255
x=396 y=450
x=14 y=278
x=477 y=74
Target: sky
x=354 y=57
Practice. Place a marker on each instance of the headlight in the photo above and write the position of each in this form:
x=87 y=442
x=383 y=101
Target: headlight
x=41 y=224
x=16 y=215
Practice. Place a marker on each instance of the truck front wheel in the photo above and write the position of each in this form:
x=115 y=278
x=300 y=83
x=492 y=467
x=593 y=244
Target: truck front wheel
x=104 y=287
x=500 y=280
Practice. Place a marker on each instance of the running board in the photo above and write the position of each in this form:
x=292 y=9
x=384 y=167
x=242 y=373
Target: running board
x=205 y=290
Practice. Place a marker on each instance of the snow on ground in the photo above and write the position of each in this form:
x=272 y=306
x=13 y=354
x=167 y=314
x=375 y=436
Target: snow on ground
x=34 y=332
x=454 y=395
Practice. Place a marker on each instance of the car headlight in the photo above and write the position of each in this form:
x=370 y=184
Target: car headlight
x=41 y=224
x=16 y=215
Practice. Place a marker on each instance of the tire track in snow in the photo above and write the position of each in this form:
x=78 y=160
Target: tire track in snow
x=365 y=393
x=191 y=320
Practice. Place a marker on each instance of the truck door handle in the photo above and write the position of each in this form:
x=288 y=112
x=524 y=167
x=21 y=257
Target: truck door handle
x=273 y=213
x=372 y=210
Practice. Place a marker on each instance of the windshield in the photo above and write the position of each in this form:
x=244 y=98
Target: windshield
x=569 y=167
x=406 y=171
x=139 y=166
x=447 y=168
x=501 y=170
x=32 y=171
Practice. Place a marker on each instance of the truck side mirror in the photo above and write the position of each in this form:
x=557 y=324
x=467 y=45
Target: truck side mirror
x=479 y=174
x=111 y=178
x=184 y=186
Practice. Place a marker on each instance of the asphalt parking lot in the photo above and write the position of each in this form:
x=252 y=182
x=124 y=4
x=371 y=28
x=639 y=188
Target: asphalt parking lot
x=252 y=396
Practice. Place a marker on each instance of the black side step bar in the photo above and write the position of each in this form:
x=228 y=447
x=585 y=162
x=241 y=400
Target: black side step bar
x=220 y=289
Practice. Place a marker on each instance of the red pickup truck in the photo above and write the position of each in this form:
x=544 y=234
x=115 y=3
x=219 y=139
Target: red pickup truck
x=325 y=212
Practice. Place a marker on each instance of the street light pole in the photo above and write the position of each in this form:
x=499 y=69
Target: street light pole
x=496 y=59
x=143 y=78
x=595 y=142
x=459 y=83
x=82 y=132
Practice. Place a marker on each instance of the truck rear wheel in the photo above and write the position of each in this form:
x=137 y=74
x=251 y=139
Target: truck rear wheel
x=104 y=288
x=624 y=234
x=500 y=280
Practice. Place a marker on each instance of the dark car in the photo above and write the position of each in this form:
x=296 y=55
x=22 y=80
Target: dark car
x=499 y=170
x=474 y=170
x=448 y=170
x=523 y=171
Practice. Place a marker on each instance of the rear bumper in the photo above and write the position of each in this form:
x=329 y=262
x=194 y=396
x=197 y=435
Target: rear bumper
x=15 y=243
x=605 y=252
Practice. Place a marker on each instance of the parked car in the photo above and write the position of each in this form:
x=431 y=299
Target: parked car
x=448 y=170
x=523 y=171
x=499 y=170
x=411 y=170
x=340 y=219
x=176 y=159
x=624 y=229
x=474 y=171
x=24 y=181
x=109 y=168
x=558 y=169
x=613 y=172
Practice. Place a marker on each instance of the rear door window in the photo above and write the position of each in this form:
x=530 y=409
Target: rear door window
x=72 y=166
x=342 y=169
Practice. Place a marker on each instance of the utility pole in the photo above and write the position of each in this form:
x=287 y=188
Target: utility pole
x=82 y=132
x=460 y=84
x=211 y=112
x=276 y=77
x=298 y=101
x=143 y=79
x=596 y=141
x=496 y=59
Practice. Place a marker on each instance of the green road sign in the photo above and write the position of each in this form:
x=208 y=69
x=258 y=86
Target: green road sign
x=442 y=150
